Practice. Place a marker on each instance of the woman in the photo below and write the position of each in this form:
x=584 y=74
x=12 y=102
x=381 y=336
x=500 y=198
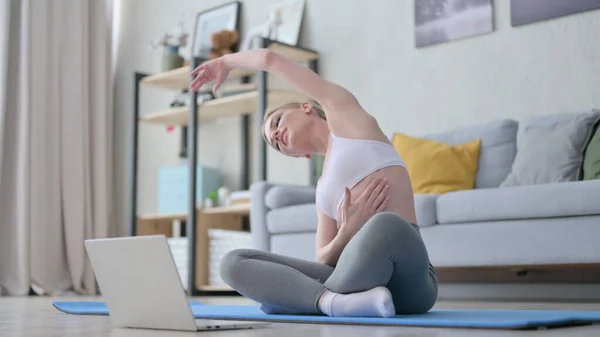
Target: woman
x=371 y=260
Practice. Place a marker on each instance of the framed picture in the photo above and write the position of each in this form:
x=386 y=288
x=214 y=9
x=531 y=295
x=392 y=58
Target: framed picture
x=287 y=17
x=438 y=21
x=528 y=11
x=226 y=16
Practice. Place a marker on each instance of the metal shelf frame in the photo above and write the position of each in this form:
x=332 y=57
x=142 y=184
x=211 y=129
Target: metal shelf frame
x=192 y=155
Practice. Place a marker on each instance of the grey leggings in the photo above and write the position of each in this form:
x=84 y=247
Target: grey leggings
x=386 y=251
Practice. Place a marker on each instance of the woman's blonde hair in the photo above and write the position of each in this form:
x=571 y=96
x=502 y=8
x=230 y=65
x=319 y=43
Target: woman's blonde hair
x=294 y=105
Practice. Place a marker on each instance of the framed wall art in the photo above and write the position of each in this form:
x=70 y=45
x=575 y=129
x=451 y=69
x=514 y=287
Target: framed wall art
x=529 y=11
x=439 y=21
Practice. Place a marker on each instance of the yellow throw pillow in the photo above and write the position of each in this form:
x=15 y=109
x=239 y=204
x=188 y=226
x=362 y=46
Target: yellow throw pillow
x=437 y=168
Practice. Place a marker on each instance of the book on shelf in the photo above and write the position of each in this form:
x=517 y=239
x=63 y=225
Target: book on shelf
x=240 y=197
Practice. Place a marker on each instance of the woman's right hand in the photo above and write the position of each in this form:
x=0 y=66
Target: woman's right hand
x=354 y=214
x=213 y=70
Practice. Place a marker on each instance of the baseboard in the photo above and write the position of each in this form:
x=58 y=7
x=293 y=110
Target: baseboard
x=520 y=292
x=585 y=273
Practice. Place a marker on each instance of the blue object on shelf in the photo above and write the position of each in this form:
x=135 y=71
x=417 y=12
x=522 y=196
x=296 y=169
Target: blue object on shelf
x=173 y=187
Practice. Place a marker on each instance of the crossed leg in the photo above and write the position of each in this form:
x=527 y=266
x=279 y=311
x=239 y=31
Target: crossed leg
x=282 y=284
x=387 y=252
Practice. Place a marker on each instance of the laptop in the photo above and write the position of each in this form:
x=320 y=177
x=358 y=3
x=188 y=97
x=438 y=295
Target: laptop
x=142 y=288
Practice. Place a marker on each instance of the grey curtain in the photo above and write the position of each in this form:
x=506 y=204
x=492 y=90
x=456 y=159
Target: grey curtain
x=55 y=141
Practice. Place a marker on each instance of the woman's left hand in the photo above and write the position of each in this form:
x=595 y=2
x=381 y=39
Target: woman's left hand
x=213 y=70
x=354 y=214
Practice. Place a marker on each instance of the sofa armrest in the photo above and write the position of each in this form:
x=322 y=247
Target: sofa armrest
x=265 y=196
x=284 y=195
x=258 y=215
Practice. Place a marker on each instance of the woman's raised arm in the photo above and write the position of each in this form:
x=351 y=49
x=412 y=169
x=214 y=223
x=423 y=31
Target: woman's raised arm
x=338 y=103
x=304 y=79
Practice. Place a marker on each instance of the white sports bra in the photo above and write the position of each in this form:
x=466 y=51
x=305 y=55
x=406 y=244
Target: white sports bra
x=349 y=161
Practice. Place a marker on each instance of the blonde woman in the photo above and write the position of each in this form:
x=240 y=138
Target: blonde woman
x=371 y=260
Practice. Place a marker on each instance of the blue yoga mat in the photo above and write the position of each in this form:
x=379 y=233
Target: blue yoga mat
x=455 y=318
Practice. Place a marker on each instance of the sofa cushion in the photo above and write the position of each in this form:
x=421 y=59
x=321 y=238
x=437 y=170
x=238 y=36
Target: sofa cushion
x=297 y=245
x=498 y=148
x=436 y=167
x=283 y=195
x=550 y=149
x=292 y=219
x=572 y=240
x=425 y=209
x=591 y=159
x=520 y=202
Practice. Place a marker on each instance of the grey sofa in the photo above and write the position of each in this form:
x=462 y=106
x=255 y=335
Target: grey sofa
x=492 y=225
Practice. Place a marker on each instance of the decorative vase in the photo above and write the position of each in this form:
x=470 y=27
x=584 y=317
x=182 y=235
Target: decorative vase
x=223 y=196
x=171 y=59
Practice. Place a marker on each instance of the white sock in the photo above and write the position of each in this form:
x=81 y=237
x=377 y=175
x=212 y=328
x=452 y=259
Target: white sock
x=376 y=302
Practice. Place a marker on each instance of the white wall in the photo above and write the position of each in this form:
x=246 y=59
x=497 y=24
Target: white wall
x=547 y=67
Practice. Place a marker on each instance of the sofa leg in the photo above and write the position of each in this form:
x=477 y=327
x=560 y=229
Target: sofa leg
x=522 y=273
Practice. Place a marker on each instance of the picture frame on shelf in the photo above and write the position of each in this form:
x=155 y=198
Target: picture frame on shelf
x=224 y=17
x=287 y=21
x=283 y=23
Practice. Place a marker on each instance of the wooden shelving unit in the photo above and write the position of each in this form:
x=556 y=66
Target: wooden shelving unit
x=230 y=106
x=179 y=79
x=256 y=102
x=230 y=218
x=241 y=209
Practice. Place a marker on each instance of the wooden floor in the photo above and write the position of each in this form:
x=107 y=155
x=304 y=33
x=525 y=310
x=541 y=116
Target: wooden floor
x=33 y=317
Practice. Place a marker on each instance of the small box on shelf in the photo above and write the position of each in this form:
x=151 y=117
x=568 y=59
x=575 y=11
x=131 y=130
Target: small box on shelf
x=240 y=196
x=173 y=187
x=179 y=249
x=221 y=242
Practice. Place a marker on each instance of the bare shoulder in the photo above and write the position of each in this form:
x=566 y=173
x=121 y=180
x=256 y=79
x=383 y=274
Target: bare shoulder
x=348 y=119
